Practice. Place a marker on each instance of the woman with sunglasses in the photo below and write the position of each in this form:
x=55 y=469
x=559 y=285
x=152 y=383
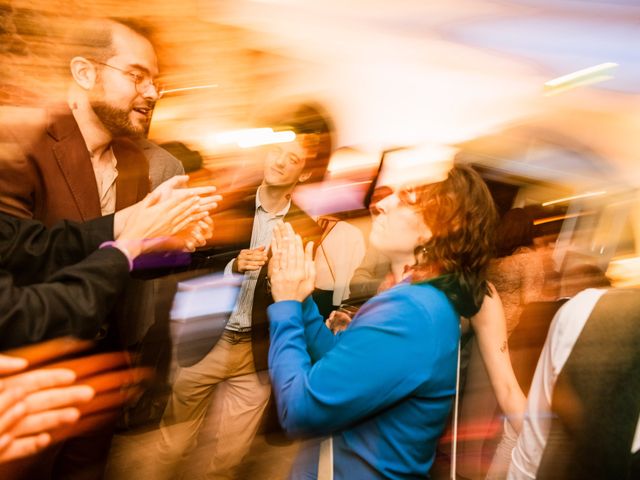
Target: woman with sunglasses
x=382 y=390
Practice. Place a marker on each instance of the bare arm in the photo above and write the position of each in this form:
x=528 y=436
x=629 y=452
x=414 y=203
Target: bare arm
x=490 y=327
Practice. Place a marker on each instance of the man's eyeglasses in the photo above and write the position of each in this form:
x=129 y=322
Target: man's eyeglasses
x=142 y=81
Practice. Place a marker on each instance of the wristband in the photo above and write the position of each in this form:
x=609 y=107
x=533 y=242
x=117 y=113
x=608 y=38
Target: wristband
x=120 y=247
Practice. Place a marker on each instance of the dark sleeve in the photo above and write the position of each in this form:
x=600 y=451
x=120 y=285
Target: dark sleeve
x=73 y=301
x=18 y=176
x=31 y=252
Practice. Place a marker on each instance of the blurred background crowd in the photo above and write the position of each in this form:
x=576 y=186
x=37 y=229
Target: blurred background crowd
x=318 y=113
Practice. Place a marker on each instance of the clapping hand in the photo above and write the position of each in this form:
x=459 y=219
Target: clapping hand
x=249 y=260
x=292 y=269
x=172 y=217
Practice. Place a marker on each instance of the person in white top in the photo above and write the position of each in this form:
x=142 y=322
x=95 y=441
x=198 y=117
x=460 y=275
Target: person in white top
x=340 y=253
x=564 y=331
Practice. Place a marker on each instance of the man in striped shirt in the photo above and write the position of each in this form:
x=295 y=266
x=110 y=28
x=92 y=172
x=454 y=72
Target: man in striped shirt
x=238 y=361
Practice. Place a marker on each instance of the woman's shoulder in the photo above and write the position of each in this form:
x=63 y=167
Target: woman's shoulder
x=413 y=298
x=521 y=255
x=525 y=251
x=408 y=310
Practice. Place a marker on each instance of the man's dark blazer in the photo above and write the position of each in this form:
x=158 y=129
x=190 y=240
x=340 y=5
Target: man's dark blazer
x=238 y=224
x=46 y=171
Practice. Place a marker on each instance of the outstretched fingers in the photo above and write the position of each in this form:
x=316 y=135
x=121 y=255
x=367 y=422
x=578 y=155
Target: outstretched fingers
x=23 y=447
x=45 y=421
x=299 y=255
x=277 y=242
x=290 y=262
x=274 y=263
x=309 y=264
x=9 y=364
x=41 y=379
x=12 y=407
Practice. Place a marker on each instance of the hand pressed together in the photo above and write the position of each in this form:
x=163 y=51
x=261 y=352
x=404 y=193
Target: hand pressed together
x=172 y=217
x=250 y=260
x=292 y=269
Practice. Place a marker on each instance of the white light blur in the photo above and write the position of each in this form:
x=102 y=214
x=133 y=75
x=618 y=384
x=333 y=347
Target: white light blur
x=624 y=272
x=580 y=75
x=581 y=78
x=348 y=161
x=267 y=139
x=188 y=89
x=574 y=197
x=254 y=137
x=236 y=136
x=421 y=165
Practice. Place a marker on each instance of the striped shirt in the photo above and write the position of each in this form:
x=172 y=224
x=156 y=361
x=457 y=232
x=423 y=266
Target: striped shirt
x=263 y=224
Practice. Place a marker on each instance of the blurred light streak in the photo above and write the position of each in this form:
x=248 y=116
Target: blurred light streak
x=580 y=74
x=624 y=272
x=586 y=76
x=420 y=165
x=274 y=137
x=236 y=136
x=254 y=137
x=541 y=221
x=351 y=160
x=331 y=196
x=574 y=197
x=346 y=185
x=474 y=431
x=188 y=89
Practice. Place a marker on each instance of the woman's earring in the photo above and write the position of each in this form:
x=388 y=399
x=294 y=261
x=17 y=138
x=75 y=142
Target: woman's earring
x=421 y=252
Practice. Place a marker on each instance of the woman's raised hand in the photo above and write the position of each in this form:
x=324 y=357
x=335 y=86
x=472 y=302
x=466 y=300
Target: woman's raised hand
x=291 y=269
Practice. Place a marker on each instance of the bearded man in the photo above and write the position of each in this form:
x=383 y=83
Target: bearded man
x=80 y=161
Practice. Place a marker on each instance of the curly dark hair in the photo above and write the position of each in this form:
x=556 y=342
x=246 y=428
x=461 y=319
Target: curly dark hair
x=515 y=230
x=462 y=218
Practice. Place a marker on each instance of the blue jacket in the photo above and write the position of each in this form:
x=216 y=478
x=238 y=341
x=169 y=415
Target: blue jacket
x=383 y=388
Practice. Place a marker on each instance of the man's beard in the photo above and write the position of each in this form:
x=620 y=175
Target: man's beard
x=117 y=120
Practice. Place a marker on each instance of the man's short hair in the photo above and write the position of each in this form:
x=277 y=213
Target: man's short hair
x=311 y=119
x=93 y=38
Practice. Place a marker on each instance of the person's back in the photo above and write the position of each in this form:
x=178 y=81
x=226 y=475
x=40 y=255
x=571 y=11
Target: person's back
x=519 y=279
x=517 y=272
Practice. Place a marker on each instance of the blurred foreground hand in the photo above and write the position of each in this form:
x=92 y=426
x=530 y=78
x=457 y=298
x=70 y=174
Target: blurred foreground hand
x=45 y=405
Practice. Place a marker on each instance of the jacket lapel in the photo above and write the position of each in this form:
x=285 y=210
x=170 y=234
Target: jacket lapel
x=74 y=161
x=132 y=183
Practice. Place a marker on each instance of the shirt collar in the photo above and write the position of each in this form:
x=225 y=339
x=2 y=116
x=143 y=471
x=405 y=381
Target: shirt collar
x=280 y=213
